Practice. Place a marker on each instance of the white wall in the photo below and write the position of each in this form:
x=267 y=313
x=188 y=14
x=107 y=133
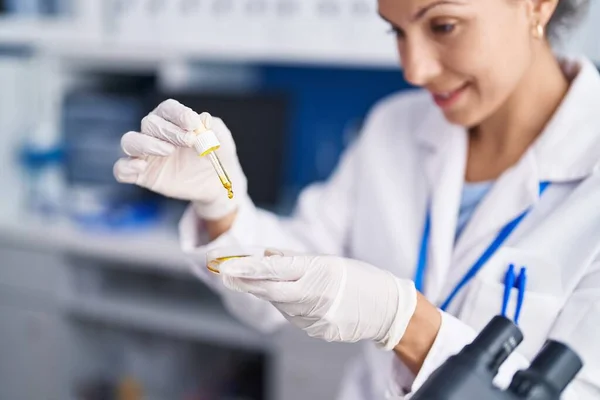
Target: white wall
x=585 y=40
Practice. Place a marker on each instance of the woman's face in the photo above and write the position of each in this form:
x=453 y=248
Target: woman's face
x=470 y=54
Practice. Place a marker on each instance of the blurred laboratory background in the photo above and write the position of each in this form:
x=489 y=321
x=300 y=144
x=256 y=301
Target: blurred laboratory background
x=96 y=298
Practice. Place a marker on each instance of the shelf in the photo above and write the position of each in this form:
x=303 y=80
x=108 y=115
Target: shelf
x=99 y=52
x=151 y=248
x=31 y=31
x=17 y=32
x=207 y=323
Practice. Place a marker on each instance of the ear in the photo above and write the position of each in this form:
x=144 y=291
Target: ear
x=541 y=11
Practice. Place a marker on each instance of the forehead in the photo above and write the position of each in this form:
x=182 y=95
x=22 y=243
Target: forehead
x=413 y=9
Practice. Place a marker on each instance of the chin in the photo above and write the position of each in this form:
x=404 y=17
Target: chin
x=464 y=117
x=468 y=111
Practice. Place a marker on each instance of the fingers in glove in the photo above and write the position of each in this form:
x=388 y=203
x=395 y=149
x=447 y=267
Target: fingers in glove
x=176 y=113
x=281 y=292
x=159 y=128
x=270 y=251
x=223 y=133
x=273 y=252
x=188 y=120
x=274 y=268
x=136 y=144
x=127 y=170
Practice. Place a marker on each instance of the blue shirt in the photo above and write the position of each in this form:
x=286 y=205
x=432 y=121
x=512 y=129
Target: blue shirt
x=472 y=194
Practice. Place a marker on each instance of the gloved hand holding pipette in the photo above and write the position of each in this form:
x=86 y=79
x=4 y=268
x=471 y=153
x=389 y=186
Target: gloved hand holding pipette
x=165 y=158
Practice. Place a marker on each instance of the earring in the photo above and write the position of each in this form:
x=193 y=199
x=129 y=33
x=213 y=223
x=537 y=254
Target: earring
x=539 y=31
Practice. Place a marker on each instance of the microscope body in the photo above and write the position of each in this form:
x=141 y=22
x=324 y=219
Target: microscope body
x=470 y=373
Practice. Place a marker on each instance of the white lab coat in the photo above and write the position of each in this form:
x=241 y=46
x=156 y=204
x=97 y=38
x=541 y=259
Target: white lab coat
x=373 y=208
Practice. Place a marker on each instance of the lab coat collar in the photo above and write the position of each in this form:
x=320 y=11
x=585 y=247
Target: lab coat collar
x=434 y=132
x=569 y=148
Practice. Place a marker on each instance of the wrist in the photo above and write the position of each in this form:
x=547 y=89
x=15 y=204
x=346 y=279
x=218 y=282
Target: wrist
x=420 y=334
x=217 y=209
x=215 y=228
x=402 y=310
x=216 y=219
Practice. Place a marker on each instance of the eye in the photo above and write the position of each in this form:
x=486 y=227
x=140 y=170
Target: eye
x=443 y=29
x=399 y=33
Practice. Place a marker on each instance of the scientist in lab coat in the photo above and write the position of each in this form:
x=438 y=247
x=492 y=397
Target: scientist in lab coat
x=485 y=181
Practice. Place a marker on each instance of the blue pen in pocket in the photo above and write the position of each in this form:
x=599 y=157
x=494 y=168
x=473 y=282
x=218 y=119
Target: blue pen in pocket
x=509 y=283
x=519 y=282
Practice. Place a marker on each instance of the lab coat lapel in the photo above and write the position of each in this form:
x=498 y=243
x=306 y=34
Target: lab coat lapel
x=444 y=149
x=512 y=194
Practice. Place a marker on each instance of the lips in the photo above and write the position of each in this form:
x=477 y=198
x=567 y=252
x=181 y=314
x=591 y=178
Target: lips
x=448 y=98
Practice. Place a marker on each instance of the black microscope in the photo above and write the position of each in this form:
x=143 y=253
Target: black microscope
x=468 y=375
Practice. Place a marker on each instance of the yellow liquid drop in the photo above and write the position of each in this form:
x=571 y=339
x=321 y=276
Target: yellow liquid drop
x=228 y=187
x=214 y=265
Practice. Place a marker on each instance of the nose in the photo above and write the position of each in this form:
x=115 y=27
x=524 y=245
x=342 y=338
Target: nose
x=420 y=63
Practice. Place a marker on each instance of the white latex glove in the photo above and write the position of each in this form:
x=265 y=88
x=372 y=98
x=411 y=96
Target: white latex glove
x=331 y=298
x=161 y=159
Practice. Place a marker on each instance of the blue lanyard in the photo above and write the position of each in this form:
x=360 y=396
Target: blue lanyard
x=487 y=254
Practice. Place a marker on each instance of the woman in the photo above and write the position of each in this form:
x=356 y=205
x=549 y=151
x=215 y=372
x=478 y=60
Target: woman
x=495 y=163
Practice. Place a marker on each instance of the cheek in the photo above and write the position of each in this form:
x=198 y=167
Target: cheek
x=493 y=62
x=499 y=74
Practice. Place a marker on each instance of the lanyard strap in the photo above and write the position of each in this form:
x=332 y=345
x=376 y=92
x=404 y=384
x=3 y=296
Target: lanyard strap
x=487 y=254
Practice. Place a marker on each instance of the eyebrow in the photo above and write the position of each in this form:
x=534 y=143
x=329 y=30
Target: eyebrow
x=424 y=10
x=421 y=13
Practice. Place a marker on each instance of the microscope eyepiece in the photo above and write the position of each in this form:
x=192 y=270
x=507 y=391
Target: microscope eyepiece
x=548 y=374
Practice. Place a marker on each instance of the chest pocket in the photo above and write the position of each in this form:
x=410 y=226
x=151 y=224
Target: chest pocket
x=542 y=302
